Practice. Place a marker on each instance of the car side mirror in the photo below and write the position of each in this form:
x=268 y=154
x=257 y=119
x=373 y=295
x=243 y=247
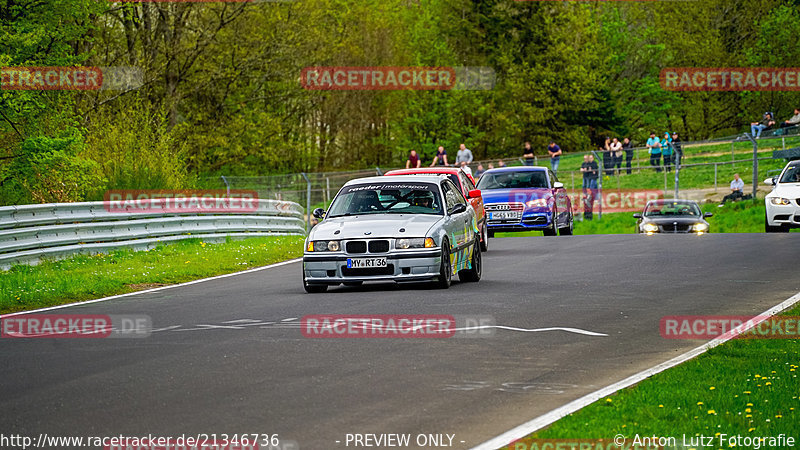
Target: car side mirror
x=558 y=185
x=708 y=215
x=458 y=208
x=319 y=213
x=637 y=215
x=770 y=181
x=475 y=193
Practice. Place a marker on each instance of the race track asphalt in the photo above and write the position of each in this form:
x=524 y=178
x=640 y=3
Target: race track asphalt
x=227 y=355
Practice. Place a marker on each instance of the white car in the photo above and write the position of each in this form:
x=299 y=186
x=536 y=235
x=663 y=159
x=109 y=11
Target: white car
x=783 y=203
x=401 y=228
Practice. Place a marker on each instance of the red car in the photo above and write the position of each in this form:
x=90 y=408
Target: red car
x=467 y=184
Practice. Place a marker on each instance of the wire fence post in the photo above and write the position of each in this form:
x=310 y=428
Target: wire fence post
x=755 y=165
x=665 y=183
x=715 y=177
x=327 y=191
x=227 y=186
x=308 y=201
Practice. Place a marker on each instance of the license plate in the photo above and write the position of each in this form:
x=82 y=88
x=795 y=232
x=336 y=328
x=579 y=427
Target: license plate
x=363 y=263
x=505 y=215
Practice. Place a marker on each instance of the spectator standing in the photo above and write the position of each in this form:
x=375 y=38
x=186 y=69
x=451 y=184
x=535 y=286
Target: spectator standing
x=500 y=163
x=654 y=148
x=463 y=155
x=491 y=166
x=480 y=171
x=555 y=155
x=413 y=161
x=616 y=153
x=440 y=157
x=666 y=150
x=757 y=127
x=737 y=188
x=590 y=171
x=527 y=153
x=608 y=158
x=794 y=121
x=677 y=151
x=627 y=146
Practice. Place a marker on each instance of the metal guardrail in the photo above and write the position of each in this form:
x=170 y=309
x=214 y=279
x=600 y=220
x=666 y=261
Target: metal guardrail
x=29 y=233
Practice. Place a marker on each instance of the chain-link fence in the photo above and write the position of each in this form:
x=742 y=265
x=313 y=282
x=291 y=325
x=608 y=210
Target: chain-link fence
x=698 y=170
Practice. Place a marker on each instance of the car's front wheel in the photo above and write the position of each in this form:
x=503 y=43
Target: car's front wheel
x=552 y=230
x=567 y=230
x=313 y=288
x=473 y=274
x=774 y=229
x=445 y=272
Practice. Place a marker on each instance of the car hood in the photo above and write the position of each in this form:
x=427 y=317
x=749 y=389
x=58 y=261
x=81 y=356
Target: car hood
x=670 y=220
x=514 y=195
x=378 y=225
x=786 y=190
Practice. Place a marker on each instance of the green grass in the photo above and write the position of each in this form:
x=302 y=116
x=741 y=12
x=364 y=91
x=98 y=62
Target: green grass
x=746 y=387
x=84 y=277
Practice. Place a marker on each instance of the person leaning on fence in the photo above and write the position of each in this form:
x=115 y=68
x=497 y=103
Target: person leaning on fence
x=757 y=127
x=666 y=150
x=590 y=170
x=793 y=121
x=413 y=161
x=616 y=154
x=737 y=188
x=627 y=146
x=440 y=157
x=500 y=163
x=527 y=153
x=555 y=155
x=463 y=155
x=654 y=148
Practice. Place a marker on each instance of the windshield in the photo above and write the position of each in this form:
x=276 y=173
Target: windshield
x=387 y=198
x=792 y=175
x=664 y=209
x=513 y=180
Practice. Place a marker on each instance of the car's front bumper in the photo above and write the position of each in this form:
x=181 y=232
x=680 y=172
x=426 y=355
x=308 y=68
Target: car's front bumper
x=784 y=214
x=531 y=221
x=401 y=266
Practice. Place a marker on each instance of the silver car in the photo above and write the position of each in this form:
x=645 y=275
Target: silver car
x=402 y=228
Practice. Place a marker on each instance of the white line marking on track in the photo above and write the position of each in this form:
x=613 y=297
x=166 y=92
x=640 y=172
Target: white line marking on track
x=552 y=416
x=146 y=291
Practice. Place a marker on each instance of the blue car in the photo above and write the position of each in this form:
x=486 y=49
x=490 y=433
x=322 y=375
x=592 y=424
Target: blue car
x=525 y=198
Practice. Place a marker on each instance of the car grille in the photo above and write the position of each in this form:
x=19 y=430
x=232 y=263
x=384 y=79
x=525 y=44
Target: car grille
x=503 y=207
x=368 y=271
x=534 y=220
x=675 y=228
x=356 y=247
x=376 y=246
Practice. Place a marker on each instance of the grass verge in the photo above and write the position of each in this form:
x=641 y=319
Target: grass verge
x=85 y=277
x=746 y=387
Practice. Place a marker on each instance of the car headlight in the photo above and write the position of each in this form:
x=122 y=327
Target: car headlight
x=323 y=246
x=700 y=227
x=405 y=243
x=779 y=201
x=537 y=203
x=650 y=227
